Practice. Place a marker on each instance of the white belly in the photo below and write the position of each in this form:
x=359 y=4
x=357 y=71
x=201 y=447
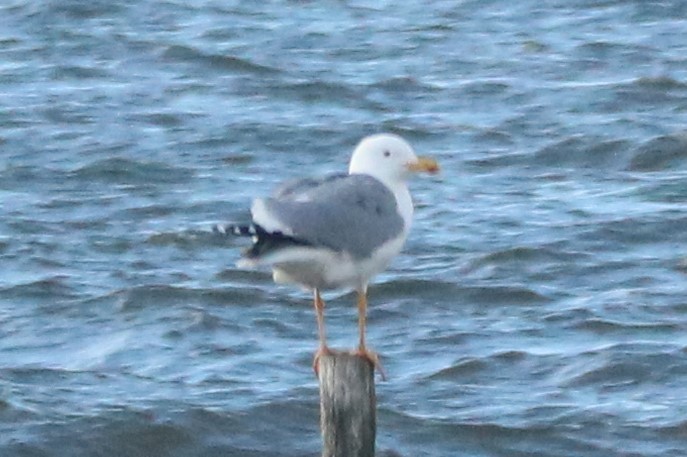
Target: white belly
x=325 y=269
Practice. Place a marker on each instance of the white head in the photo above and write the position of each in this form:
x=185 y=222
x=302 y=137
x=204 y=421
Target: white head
x=389 y=158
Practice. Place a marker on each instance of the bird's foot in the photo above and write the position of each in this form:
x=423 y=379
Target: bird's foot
x=322 y=351
x=373 y=358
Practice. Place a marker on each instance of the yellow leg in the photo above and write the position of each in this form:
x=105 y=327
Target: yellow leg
x=362 y=324
x=323 y=349
x=362 y=319
x=319 y=310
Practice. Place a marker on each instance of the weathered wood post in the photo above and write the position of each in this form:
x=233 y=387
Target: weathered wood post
x=347 y=405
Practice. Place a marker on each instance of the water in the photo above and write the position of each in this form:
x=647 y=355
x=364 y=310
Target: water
x=538 y=309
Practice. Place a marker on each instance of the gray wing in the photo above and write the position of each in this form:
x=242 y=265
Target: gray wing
x=296 y=188
x=350 y=213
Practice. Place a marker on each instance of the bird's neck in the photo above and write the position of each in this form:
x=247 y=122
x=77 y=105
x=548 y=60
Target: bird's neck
x=405 y=204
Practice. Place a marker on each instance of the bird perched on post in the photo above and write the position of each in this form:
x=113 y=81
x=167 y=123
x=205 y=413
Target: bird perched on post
x=339 y=231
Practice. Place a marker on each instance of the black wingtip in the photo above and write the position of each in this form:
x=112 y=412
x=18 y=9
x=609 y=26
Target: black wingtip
x=263 y=241
x=237 y=230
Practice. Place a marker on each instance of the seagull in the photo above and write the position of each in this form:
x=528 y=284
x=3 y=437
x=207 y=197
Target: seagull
x=339 y=231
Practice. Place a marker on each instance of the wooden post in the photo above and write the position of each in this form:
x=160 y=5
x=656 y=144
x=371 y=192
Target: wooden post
x=347 y=405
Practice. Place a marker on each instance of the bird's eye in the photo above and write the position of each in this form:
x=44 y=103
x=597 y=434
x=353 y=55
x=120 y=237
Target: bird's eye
x=387 y=153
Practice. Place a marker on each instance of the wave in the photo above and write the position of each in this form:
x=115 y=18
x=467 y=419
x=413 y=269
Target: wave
x=583 y=151
x=163 y=295
x=83 y=10
x=53 y=288
x=187 y=54
x=316 y=91
x=525 y=254
x=661 y=153
x=637 y=230
x=660 y=83
x=605 y=326
x=129 y=171
x=403 y=84
x=487 y=294
x=621 y=365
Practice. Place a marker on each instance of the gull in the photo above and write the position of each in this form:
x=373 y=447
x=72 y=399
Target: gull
x=339 y=231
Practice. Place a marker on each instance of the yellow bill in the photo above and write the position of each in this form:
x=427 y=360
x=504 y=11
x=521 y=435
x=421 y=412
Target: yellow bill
x=424 y=164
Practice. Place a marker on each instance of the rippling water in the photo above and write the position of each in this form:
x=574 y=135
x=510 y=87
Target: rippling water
x=540 y=305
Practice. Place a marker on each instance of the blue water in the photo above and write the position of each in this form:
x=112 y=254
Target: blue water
x=539 y=307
